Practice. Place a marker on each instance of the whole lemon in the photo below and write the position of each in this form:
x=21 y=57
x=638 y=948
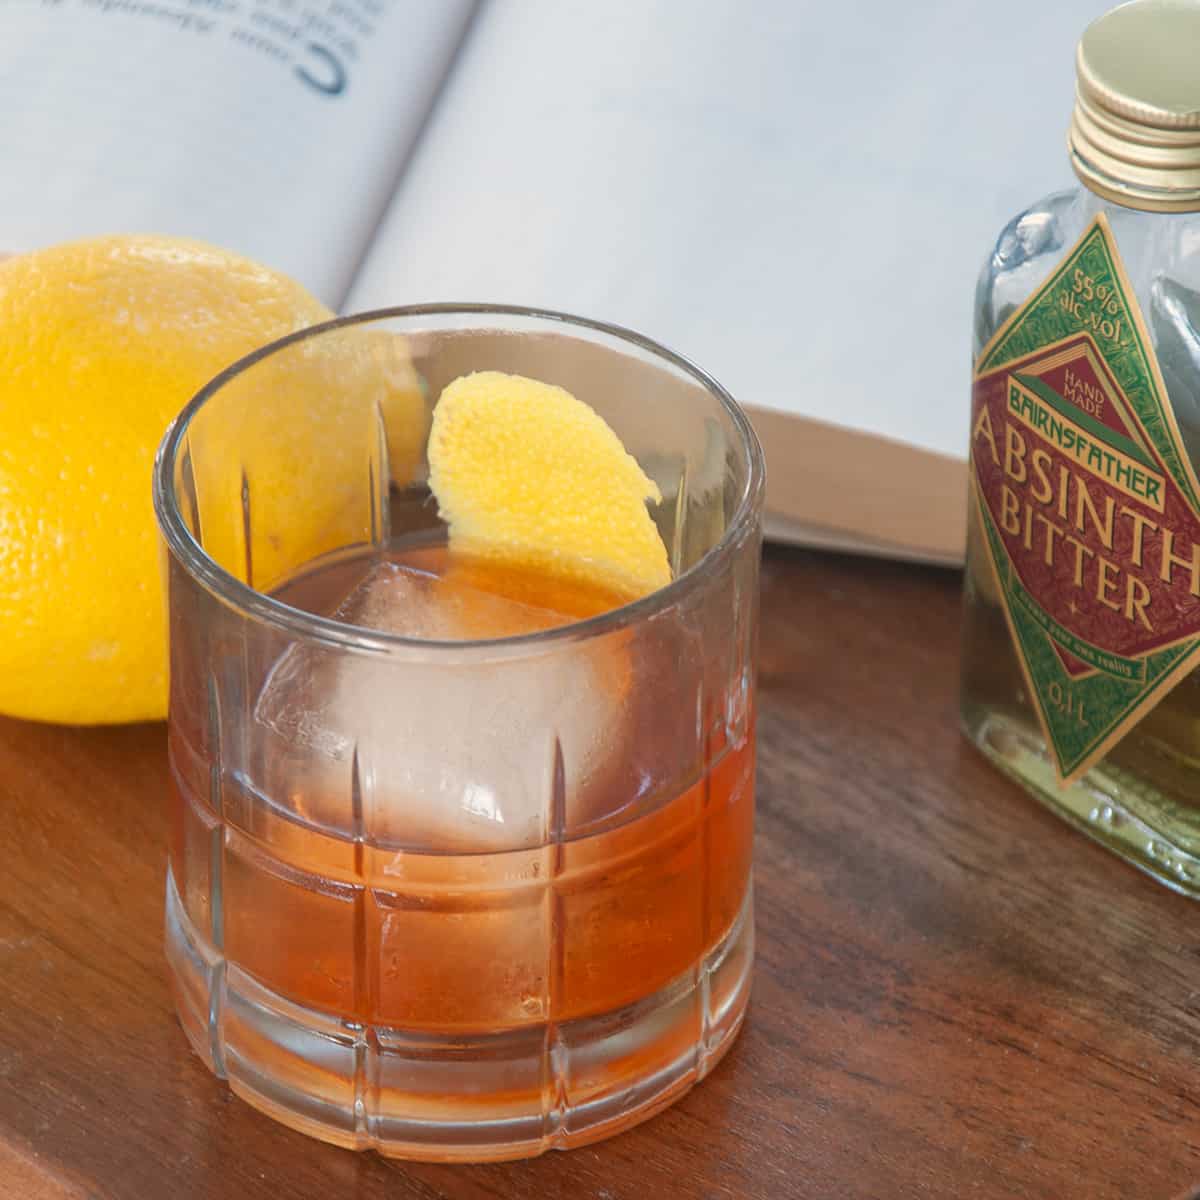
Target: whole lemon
x=102 y=342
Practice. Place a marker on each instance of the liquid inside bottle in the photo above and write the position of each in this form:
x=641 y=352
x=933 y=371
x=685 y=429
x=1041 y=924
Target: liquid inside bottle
x=1142 y=796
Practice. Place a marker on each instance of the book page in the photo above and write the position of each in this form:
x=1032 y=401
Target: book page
x=276 y=128
x=797 y=196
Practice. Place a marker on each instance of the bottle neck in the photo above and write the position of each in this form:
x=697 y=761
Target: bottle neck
x=1134 y=163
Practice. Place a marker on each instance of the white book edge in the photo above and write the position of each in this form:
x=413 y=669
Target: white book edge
x=835 y=488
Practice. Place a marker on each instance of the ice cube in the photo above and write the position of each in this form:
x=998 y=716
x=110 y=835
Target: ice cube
x=454 y=750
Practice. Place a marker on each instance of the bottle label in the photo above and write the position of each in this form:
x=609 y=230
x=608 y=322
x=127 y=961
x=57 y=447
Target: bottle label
x=1089 y=504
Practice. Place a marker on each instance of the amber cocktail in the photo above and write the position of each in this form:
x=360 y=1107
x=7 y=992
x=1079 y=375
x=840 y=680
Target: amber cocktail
x=461 y=856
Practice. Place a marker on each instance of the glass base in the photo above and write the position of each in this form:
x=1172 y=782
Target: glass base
x=1110 y=805
x=457 y=1097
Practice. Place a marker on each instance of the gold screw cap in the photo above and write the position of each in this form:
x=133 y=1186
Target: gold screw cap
x=1135 y=133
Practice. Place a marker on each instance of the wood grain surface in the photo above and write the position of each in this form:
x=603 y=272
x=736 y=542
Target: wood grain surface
x=956 y=995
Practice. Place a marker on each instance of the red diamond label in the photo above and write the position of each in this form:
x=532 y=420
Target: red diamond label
x=1089 y=503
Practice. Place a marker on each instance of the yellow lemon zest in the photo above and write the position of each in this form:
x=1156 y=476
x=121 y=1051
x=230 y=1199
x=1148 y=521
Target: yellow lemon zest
x=529 y=477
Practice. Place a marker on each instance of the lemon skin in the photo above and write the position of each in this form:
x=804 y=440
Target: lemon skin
x=102 y=342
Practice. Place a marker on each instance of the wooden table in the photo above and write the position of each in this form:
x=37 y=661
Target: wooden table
x=956 y=995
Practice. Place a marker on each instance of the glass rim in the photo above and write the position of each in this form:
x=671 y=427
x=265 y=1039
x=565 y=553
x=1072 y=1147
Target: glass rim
x=225 y=586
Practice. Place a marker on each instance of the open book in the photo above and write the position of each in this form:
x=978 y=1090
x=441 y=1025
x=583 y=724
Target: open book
x=797 y=196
